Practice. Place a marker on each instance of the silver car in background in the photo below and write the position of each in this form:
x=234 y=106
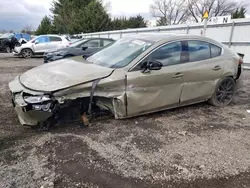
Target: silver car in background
x=41 y=44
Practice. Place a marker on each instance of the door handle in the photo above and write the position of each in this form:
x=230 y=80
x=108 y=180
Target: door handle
x=216 y=68
x=178 y=75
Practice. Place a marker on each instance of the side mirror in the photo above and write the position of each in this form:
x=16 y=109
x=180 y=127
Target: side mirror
x=151 y=65
x=84 y=48
x=36 y=41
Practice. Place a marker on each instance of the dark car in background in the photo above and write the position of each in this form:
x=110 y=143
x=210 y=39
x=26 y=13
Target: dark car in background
x=5 y=40
x=84 y=47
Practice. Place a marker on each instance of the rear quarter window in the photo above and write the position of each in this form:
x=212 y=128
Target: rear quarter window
x=55 y=39
x=215 y=50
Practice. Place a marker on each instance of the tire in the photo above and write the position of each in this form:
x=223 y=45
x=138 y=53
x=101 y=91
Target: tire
x=26 y=53
x=7 y=49
x=224 y=92
x=239 y=72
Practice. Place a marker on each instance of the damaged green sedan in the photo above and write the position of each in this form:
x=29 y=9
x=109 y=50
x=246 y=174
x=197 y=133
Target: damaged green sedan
x=138 y=74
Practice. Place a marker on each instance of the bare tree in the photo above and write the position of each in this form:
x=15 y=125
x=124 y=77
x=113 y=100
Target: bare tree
x=27 y=29
x=170 y=12
x=106 y=4
x=214 y=7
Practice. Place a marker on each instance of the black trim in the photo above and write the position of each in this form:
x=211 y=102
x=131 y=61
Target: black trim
x=92 y=92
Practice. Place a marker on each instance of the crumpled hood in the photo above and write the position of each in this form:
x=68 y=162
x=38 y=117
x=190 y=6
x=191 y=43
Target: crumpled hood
x=28 y=45
x=62 y=74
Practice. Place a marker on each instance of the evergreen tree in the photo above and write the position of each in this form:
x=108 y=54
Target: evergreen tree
x=44 y=27
x=239 y=13
x=132 y=22
x=136 y=22
x=77 y=16
x=161 y=21
x=119 y=23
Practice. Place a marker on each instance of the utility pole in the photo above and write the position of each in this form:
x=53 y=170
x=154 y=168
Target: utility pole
x=205 y=18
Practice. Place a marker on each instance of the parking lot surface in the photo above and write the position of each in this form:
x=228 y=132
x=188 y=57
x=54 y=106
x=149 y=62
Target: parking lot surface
x=195 y=146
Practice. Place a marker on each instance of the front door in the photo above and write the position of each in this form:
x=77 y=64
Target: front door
x=156 y=89
x=42 y=45
x=202 y=72
x=92 y=46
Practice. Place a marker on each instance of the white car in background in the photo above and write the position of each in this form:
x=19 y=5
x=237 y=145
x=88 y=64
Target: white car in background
x=41 y=44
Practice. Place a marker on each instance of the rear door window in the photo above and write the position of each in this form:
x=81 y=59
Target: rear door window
x=198 y=50
x=215 y=50
x=55 y=39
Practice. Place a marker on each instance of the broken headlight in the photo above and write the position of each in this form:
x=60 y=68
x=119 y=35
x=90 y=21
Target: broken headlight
x=43 y=107
x=36 y=99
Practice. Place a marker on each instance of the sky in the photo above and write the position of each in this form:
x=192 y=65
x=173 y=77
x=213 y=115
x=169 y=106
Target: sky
x=16 y=14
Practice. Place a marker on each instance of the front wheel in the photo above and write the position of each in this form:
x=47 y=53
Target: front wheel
x=27 y=53
x=224 y=92
x=7 y=49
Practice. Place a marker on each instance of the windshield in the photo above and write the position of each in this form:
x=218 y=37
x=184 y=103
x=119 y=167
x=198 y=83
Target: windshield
x=7 y=35
x=77 y=43
x=120 y=54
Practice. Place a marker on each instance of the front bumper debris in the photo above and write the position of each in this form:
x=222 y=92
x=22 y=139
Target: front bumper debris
x=16 y=52
x=25 y=112
x=26 y=115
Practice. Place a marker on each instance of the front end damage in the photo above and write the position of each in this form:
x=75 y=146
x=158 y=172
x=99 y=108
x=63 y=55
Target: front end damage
x=77 y=104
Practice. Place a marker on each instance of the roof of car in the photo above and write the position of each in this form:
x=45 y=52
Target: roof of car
x=156 y=37
x=49 y=35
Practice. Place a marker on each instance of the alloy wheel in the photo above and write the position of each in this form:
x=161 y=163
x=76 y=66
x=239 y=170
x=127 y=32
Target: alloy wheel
x=27 y=53
x=225 y=92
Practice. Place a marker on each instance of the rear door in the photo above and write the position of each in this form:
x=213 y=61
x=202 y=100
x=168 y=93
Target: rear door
x=42 y=45
x=55 y=43
x=158 y=89
x=201 y=72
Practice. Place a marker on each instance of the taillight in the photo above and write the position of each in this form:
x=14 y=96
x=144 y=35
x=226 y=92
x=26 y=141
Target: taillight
x=240 y=61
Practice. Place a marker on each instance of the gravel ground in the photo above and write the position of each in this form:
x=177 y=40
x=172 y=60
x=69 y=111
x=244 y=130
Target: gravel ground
x=195 y=146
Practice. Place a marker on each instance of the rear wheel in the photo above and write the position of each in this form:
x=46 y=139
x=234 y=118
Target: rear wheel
x=27 y=53
x=224 y=92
